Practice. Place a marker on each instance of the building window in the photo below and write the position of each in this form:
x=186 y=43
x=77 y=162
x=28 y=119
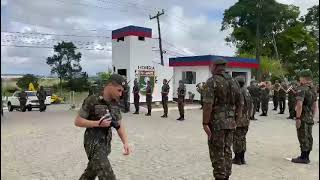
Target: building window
x=120 y=39
x=141 y=38
x=189 y=77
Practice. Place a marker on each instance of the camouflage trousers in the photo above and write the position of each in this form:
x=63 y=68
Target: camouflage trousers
x=220 y=152
x=282 y=104
x=99 y=164
x=275 y=102
x=181 y=106
x=136 y=100
x=239 y=139
x=264 y=105
x=256 y=102
x=305 y=136
x=292 y=106
x=165 y=105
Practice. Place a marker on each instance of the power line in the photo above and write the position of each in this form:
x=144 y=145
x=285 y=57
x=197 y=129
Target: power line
x=51 y=34
x=48 y=47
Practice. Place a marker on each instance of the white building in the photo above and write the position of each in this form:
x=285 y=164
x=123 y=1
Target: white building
x=195 y=69
x=132 y=56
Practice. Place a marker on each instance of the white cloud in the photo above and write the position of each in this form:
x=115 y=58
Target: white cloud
x=187 y=28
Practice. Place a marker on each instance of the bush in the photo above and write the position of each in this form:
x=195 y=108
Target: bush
x=24 y=82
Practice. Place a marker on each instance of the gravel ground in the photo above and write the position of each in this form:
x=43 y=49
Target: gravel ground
x=48 y=146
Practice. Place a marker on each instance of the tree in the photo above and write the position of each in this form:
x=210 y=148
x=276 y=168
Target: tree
x=66 y=62
x=79 y=82
x=24 y=82
x=255 y=23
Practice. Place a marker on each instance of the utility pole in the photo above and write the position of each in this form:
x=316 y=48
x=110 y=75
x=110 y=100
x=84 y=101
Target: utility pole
x=258 y=52
x=160 y=44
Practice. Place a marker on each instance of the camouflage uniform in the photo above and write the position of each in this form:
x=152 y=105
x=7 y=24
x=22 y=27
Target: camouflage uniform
x=126 y=97
x=23 y=100
x=149 y=98
x=264 y=100
x=282 y=98
x=275 y=97
x=136 y=96
x=181 y=97
x=239 y=138
x=255 y=94
x=164 y=92
x=292 y=101
x=42 y=95
x=97 y=141
x=223 y=92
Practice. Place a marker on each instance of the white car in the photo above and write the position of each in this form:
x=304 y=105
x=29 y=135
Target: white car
x=32 y=101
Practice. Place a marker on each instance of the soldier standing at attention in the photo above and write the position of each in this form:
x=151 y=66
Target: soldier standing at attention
x=292 y=100
x=181 y=96
x=305 y=111
x=136 y=96
x=255 y=94
x=221 y=106
x=282 y=97
x=239 y=138
x=149 y=97
x=164 y=92
x=275 y=98
x=98 y=114
x=126 y=96
x=42 y=95
x=264 y=99
x=200 y=89
x=23 y=100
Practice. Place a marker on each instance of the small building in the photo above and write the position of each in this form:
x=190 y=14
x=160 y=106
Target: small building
x=132 y=57
x=195 y=69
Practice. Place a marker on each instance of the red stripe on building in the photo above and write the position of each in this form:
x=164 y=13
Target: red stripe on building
x=131 y=33
x=207 y=63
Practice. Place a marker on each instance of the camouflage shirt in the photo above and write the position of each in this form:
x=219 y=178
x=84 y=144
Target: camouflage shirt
x=308 y=96
x=223 y=92
x=41 y=94
x=165 y=90
x=244 y=121
x=136 y=90
x=148 y=92
x=264 y=94
x=93 y=108
x=181 y=92
x=254 y=92
x=23 y=96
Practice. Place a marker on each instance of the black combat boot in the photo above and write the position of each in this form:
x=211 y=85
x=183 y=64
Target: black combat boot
x=302 y=159
x=164 y=116
x=243 y=161
x=308 y=153
x=136 y=112
x=236 y=159
x=149 y=113
x=182 y=118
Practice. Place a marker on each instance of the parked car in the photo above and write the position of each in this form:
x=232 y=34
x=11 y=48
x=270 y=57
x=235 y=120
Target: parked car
x=32 y=101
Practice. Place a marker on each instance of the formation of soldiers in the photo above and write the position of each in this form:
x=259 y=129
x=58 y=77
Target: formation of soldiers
x=227 y=104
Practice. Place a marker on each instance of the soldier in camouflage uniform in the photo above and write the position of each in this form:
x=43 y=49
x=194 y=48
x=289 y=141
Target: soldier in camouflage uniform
x=200 y=90
x=306 y=109
x=98 y=114
x=42 y=95
x=275 y=98
x=23 y=100
x=125 y=96
x=264 y=99
x=255 y=94
x=292 y=100
x=136 y=96
x=239 y=138
x=164 y=93
x=282 y=94
x=222 y=105
x=181 y=97
x=149 y=98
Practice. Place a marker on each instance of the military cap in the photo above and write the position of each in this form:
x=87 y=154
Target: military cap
x=117 y=79
x=305 y=73
x=220 y=62
x=240 y=79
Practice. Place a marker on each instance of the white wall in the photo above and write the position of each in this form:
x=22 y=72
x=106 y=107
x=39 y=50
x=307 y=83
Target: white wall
x=202 y=74
x=121 y=54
